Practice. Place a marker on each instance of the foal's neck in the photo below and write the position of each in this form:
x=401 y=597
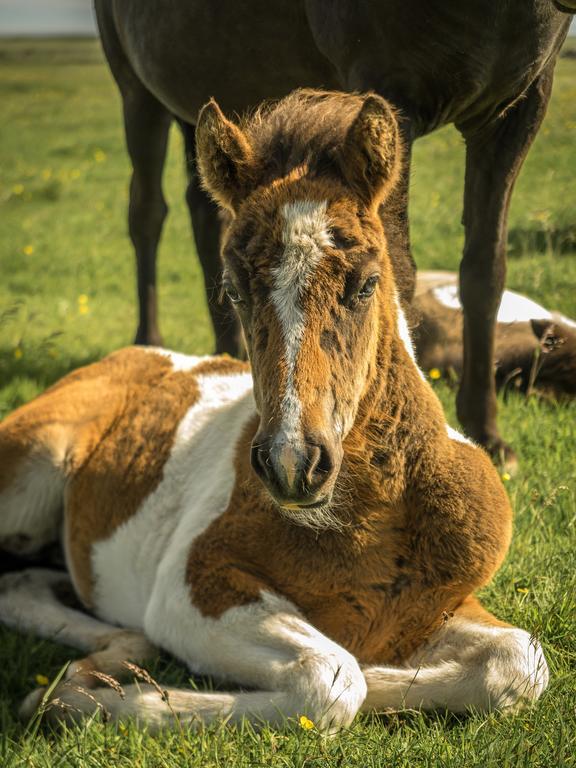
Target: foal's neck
x=398 y=421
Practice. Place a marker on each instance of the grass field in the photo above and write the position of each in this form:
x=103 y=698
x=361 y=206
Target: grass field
x=67 y=297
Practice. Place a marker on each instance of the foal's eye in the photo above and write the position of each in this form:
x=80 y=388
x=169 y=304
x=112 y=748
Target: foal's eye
x=368 y=288
x=233 y=294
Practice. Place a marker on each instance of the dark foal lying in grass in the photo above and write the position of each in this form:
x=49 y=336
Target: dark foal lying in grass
x=312 y=529
x=535 y=348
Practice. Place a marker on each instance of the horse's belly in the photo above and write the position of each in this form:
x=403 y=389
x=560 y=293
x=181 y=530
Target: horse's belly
x=186 y=53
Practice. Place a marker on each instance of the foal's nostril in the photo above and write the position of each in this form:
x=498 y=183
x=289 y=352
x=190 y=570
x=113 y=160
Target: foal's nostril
x=319 y=465
x=260 y=459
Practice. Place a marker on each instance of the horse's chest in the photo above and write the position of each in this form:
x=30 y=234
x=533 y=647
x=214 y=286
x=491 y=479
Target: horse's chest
x=354 y=598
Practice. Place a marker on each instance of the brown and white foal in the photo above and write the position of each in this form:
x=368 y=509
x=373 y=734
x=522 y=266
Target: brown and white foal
x=313 y=530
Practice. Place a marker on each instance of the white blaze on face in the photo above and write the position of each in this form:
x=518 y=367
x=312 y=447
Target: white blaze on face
x=305 y=234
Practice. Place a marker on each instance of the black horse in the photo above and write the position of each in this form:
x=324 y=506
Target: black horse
x=484 y=65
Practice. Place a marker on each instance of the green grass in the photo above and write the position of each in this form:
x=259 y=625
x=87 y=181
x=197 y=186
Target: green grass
x=67 y=297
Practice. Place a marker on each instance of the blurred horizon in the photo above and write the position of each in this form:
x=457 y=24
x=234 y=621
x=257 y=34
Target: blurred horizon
x=59 y=18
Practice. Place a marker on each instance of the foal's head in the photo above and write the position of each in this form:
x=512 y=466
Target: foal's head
x=306 y=268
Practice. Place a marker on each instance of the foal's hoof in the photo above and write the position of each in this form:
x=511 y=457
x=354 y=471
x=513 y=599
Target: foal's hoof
x=31 y=704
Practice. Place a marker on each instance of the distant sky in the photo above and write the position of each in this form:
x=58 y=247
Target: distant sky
x=58 y=17
x=46 y=17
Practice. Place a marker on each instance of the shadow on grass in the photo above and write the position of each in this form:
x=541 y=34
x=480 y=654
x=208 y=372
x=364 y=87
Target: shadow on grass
x=411 y=718
x=26 y=376
x=559 y=240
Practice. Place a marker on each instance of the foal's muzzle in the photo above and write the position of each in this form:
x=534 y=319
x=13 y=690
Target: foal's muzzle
x=296 y=473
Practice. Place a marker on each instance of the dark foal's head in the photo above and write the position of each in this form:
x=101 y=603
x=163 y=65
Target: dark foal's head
x=306 y=268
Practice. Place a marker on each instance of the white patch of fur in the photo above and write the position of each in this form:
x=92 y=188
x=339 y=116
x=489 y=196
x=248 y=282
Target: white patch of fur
x=514 y=308
x=453 y=434
x=196 y=484
x=557 y=317
x=179 y=361
x=404 y=334
x=304 y=236
x=447 y=295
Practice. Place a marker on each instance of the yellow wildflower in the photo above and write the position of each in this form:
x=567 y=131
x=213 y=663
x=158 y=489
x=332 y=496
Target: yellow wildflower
x=18 y=353
x=47 y=174
x=522 y=590
x=506 y=476
x=83 y=299
x=434 y=374
x=306 y=723
x=99 y=156
x=42 y=680
x=17 y=189
x=28 y=250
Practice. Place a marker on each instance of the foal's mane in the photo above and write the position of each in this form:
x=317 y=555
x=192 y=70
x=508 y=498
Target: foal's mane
x=305 y=128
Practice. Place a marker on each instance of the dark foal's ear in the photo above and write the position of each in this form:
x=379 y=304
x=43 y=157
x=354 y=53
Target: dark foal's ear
x=549 y=334
x=224 y=157
x=543 y=329
x=370 y=157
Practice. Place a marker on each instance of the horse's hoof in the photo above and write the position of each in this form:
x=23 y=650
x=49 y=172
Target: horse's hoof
x=504 y=457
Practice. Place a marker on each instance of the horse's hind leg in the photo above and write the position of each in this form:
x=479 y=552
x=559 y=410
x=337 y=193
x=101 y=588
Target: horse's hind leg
x=31 y=601
x=206 y=226
x=31 y=491
x=494 y=156
x=146 y=124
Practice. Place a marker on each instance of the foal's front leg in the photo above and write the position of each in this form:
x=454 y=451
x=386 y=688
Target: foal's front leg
x=265 y=645
x=473 y=662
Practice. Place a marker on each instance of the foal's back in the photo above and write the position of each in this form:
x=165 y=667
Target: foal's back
x=97 y=450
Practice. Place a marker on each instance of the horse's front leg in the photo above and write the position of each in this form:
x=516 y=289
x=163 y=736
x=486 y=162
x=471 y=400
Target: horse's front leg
x=494 y=156
x=207 y=225
x=473 y=662
x=265 y=645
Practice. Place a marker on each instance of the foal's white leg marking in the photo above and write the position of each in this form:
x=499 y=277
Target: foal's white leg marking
x=305 y=234
x=466 y=665
x=266 y=644
x=196 y=485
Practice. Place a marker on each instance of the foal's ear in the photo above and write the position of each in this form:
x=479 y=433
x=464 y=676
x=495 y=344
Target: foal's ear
x=370 y=157
x=224 y=157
